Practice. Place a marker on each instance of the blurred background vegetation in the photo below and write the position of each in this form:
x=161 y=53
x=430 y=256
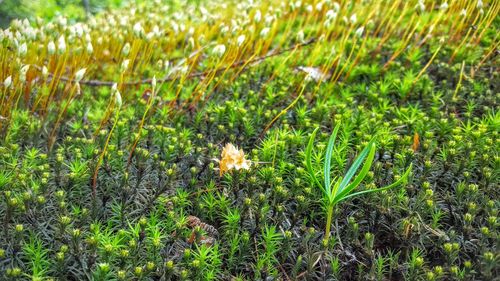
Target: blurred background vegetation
x=48 y=9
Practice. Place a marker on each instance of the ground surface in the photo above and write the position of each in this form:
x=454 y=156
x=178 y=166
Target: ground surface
x=112 y=132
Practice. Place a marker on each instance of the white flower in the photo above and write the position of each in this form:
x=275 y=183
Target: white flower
x=444 y=6
x=331 y=15
x=191 y=42
x=79 y=30
x=156 y=30
x=240 y=40
x=336 y=6
x=126 y=49
x=25 y=69
x=264 y=32
x=479 y=4
x=63 y=21
x=153 y=82
x=175 y=27
x=79 y=74
x=118 y=96
x=359 y=31
x=150 y=36
x=353 y=19
x=463 y=12
x=190 y=31
x=421 y=6
x=314 y=73
x=45 y=72
x=90 y=49
x=257 y=17
x=219 y=50
x=78 y=89
x=269 y=19
x=203 y=11
x=328 y=23
x=22 y=74
x=319 y=6
x=7 y=82
x=22 y=49
x=61 y=45
x=124 y=65
x=183 y=69
x=138 y=29
x=224 y=29
x=300 y=36
x=30 y=33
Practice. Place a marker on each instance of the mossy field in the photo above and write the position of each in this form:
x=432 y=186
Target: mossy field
x=252 y=140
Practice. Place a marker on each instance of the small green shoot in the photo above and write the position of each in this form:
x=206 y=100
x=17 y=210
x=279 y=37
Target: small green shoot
x=341 y=188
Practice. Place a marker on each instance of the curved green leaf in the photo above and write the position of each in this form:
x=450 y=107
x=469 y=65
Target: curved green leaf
x=362 y=174
x=308 y=160
x=328 y=158
x=355 y=166
x=397 y=183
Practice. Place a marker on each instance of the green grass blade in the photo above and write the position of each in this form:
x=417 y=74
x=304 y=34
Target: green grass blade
x=355 y=166
x=397 y=183
x=331 y=196
x=362 y=174
x=328 y=158
x=308 y=160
